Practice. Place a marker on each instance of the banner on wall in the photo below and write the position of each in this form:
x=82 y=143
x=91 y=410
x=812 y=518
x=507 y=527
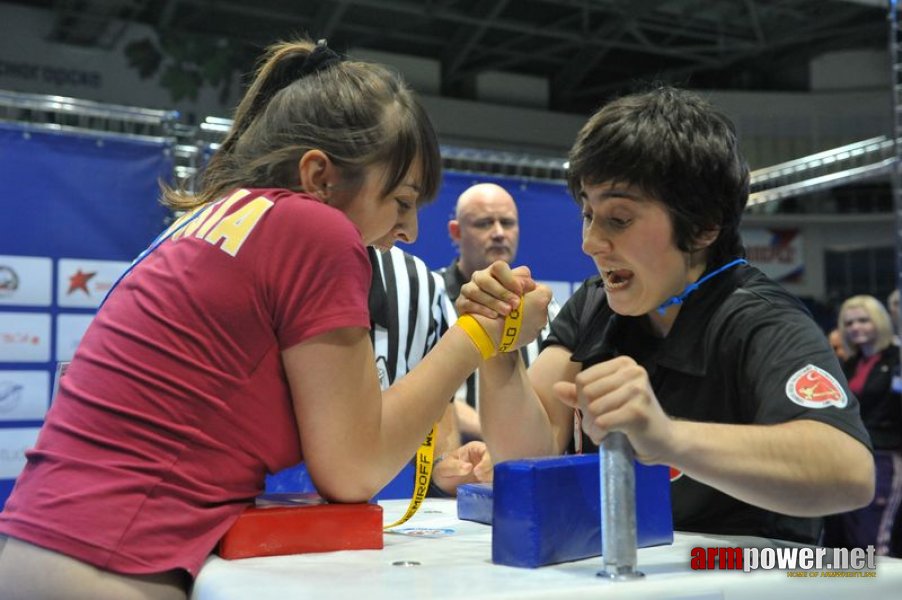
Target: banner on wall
x=777 y=252
x=85 y=206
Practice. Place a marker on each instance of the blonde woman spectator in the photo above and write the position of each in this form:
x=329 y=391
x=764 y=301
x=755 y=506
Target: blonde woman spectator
x=872 y=363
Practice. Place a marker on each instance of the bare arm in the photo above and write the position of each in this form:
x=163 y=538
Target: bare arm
x=356 y=438
x=455 y=463
x=353 y=442
x=468 y=420
x=803 y=468
x=447 y=433
x=520 y=415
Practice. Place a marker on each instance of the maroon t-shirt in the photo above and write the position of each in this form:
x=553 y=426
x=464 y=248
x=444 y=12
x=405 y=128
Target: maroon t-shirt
x=176 y=404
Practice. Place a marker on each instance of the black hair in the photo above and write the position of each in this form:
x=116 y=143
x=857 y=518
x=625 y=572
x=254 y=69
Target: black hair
x=680 y=150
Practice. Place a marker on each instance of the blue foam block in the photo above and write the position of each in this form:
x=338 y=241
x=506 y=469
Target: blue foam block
x=296 y=480
x=474 y=502
x=548 y=510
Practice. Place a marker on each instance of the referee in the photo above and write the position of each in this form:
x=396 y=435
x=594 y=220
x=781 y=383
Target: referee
x=409 y=312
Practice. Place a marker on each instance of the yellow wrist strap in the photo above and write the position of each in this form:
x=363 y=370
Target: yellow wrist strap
x=512 y=324
x=478 y=335
x=421 y=478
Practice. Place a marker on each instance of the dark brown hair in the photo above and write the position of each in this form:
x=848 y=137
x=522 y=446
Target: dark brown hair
x=677 y=148
x=359 y=114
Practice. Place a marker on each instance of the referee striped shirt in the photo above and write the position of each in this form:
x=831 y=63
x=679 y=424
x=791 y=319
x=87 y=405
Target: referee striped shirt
x=409 y=310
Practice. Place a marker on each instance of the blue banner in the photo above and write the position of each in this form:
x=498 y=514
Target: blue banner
x=77 y=207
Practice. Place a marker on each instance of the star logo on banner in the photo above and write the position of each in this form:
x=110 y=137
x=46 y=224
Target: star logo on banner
x=79 y=281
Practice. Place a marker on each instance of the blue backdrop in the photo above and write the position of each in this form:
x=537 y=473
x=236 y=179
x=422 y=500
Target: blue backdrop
x=76 y=208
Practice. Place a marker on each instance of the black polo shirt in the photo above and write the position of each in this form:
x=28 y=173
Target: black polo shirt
x=881 y=404
x=739 y=351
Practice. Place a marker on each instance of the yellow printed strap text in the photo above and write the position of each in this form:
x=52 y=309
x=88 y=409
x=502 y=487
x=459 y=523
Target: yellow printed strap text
x=422 y=477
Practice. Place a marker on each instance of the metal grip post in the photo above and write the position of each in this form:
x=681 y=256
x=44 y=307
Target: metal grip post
x=618 y=507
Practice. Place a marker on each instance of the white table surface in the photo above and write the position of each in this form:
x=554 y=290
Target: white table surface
x=456 y=563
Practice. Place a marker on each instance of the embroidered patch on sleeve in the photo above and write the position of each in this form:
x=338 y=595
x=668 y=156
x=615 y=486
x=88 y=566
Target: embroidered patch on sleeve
x=813 y=387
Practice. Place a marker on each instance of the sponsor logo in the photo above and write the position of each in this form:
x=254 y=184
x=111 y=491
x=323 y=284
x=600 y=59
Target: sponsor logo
x=24 y=395
x=22 y=338
x=813 y=387
x=9 y=280
x=10 y=395
x=25 y=280
x=13 y=445
x=82 y=283
x=79 y=281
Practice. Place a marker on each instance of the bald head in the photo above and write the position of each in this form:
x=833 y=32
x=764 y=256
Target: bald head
x=485 y=228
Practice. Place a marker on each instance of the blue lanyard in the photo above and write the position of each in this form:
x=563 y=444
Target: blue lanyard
x=694 y=286
x=164 y=235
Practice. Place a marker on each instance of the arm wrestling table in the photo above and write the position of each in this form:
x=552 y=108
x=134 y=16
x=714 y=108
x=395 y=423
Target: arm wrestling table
x=437 y=556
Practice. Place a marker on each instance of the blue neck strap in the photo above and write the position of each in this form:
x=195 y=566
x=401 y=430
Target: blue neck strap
x=165 y=235
x=694 y=286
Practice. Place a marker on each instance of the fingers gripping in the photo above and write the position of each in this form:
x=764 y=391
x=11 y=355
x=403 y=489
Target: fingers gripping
x=495 y=290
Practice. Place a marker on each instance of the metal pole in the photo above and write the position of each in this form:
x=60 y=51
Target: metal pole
x=618 y=508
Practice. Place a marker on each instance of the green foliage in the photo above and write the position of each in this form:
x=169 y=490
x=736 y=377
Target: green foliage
x=181 y=82
x=186 y=63
x=143 y=56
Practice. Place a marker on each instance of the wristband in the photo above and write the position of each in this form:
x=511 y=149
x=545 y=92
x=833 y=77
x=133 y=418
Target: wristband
x=512 y=324
x=478 y=335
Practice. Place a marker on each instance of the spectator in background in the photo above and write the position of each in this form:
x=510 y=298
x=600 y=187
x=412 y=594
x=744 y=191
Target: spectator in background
x=836 y=342
x=871 y=366
x=485 y=228
x=892 y=306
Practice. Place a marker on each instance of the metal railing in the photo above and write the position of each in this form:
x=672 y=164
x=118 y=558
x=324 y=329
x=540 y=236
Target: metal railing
x=867 y=159
x=859 y=161
x=72 y=114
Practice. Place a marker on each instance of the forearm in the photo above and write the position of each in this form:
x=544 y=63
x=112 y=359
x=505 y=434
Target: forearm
x=514 y=421
x=420 y=399
x=468 y=420
x=447 y=434
x=801 y=468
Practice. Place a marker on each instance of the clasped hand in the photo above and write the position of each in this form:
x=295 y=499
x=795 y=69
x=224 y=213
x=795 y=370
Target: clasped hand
x=470 y=463
x=495 y=291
